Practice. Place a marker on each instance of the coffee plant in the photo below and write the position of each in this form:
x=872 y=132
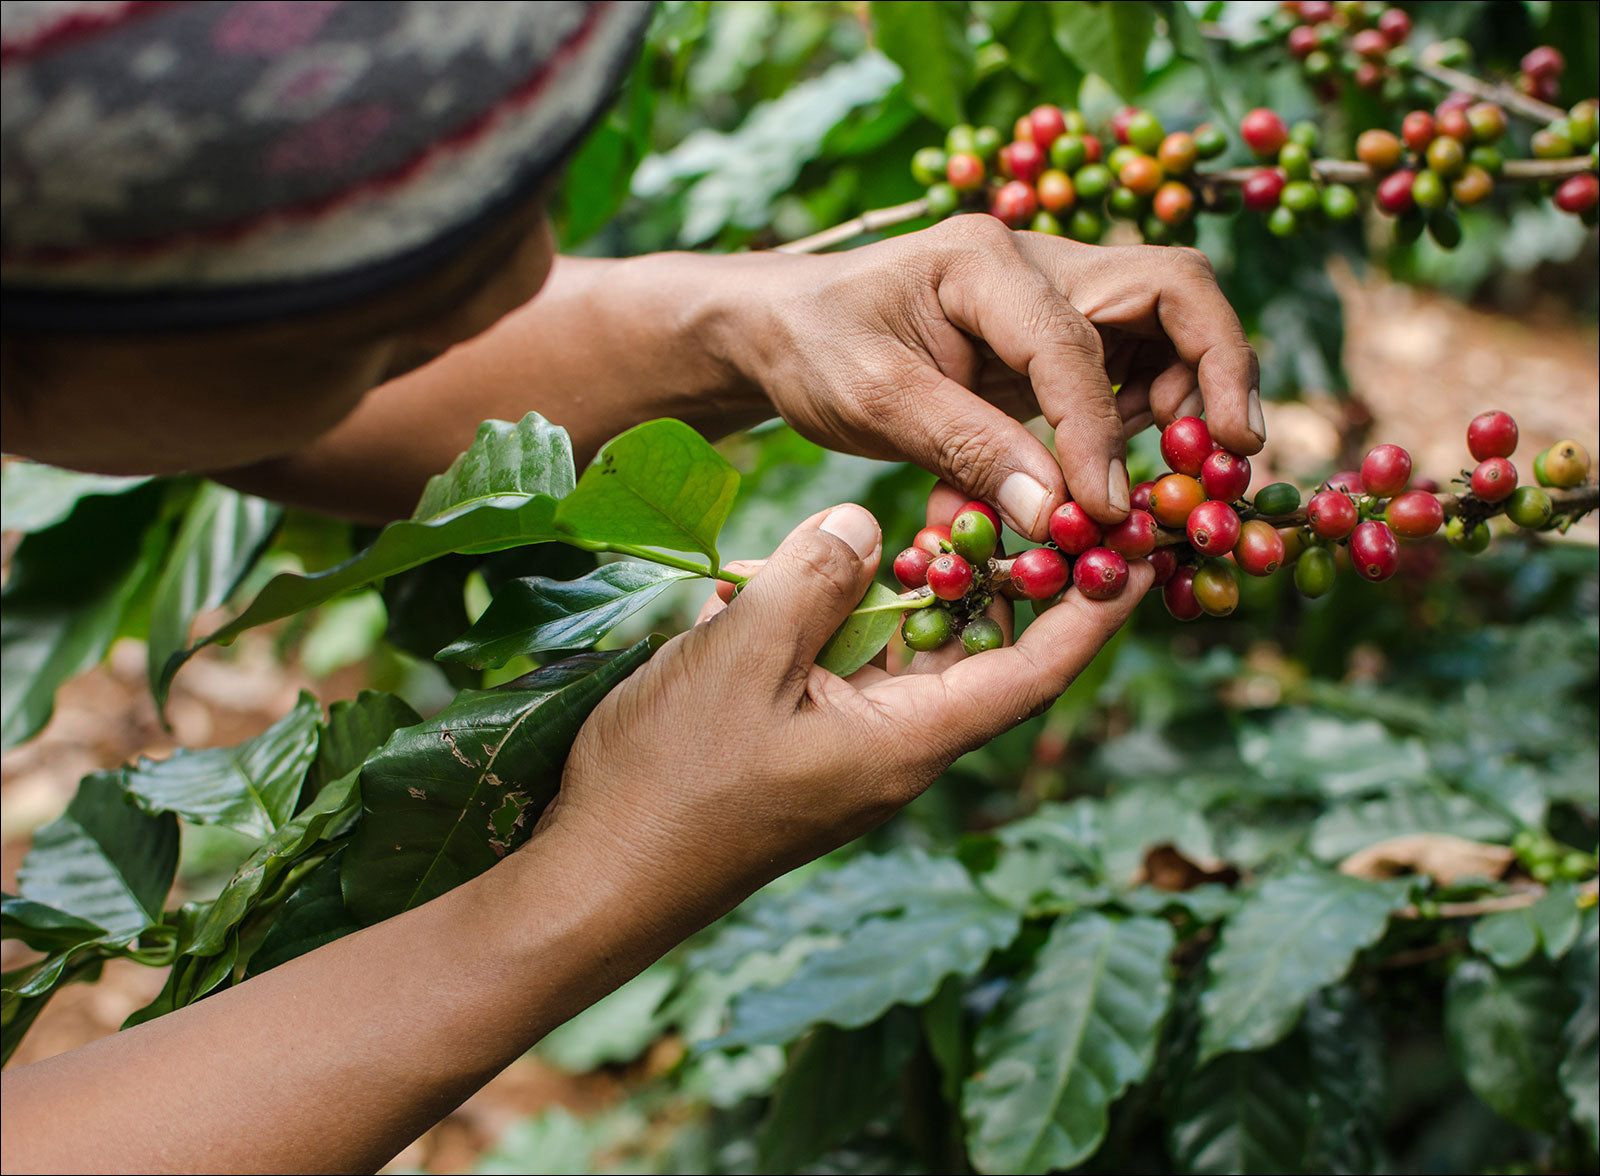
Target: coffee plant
x=1309 y=887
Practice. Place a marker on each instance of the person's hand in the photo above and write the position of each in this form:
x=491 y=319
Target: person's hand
x=730 y=757
x=931 y=347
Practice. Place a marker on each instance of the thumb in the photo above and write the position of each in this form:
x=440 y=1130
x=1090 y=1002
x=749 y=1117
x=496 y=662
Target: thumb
x=787 y=611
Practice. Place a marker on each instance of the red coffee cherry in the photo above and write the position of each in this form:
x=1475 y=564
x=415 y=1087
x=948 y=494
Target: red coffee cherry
x=1134 y=536
x=1314 y=12
x=934 y=540
x=1185 y=445
x=1368 y=76
x=1578 y=194
x=1120 y=121
x=1395 y=25
x=1173 y=204
x=1385 y=470
x=1165 y=562
x=1416 y=514
x=1302 y=41
x=982 y=508
x=964 y=171
x=1259 y=551
x=1139 y=496
x=1373 y=551
x=1348 y=481
x=1263 y=132
x=1216 y=587
x=1454 y=124
x=1371 y=44
x=1261 y=190
x=1394 y=191
x=1332 y=514
x=1015 y=204
x=1178 y=153
x=1022 y=161
x=1174 y=497
x=1039 y=572
x=1213 y=528
x=949 y=576
x=1494 y=479
x=1544 y=62
x=1047 y=124
x=1178 y=595
x=1100 y=574
x=1141 y=175
x=1225 y=475
x=1072 y=530
x=1417 y=129
x=1491 y=434
x=1056 y=193
x=911 y=567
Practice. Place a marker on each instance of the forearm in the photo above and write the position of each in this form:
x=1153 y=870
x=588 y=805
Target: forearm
x=605 y=345
x=338 y=1059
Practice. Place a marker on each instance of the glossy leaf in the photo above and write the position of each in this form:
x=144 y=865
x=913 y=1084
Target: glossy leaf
x=35 y=496
x=1293 y=935
x=1065 y=1042
x=69 y=586
x=1333 y=756
x=530 y=458
x=535 y=614
x=1509 y=938
x=1580 y=1037
x=25 y=991
x=1108 y=39
x=355 y=728
x=42 y=927
x=1353 y=824
x=945 y=926
x=1505 y=1031
x=660 y=484
x=220 y=538
x=314 y=915
x=252 y=788
x=105 y=860
x=446 y=799
x=864 y=632
x=837 y=1082
x=929 y=43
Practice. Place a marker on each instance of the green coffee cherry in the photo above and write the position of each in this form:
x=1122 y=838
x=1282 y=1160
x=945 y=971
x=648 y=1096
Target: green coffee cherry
x=1145 y=131
x=1539 y=473
x=1092 y=182
x=1295 y=161
x=1280 y=498
x=1283 y=222
x=1304 y=133
x=1068 y=153
x=1210 y=141
x=927 y=165
x=1314 y=571
x=1301 y=197
x=928 y=628
x=943 y=199
x=1155 y=230
x=1429 y=190
x=1125 y=203
x=1577 y=866
x=1488 y=158
x=1461 y=538
x=973 y=537
x=1085 y=225
x=982 y=635
x=1339 y=202
x=961 y=139
x=986 y=141
x=1529 y=507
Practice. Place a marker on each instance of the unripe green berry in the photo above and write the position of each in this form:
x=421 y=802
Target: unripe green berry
x=1085 y=225
x=1453 y=52
x=1068 y=153
x=1304 y=133
x=1210 y=141
x=1280 y=498
x=1295 y=161
x=928 y=164
x=1125 y=203
x=1539 y=474
x=928 y=628
x=986 y=141
x=1314 y=571
x=962 y=139
x=1045 y=221
x=1318 y=64
x=973 y=537
x=1300 y=197
x=1545 y=872
x=1092 y=181
x=982 y=635
x=1155 y=230
x=1472 y=541
x=1145 y=131
x=1339 y=202
x=1584 y=122
x=1577 y=866
x=1529 y=507
x=1488 y=158
x=1283 y=222
x=1429 y=191
x=943 y=200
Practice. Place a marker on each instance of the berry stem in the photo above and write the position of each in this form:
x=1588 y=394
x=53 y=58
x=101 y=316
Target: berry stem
x=868 y=222
x=667 y=561
x=1517 y=900
x=1507 y=96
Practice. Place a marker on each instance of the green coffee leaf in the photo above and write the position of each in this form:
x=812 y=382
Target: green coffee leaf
x=219 y=540
x=314 y=915
x=865 y=631
x=252 y=788
x=42 y=927
x=1066 y=1042
x=660 y=484
x=1292 y=936
x=35 y=496
x=25 y=991
x=105 y=860
x=616 y=1028
x=1108 y=39
x=1353 y=824
x=1331 y=755
x=529 y=458
x=1505 y=1030
x=354 y=730
x=1580 y=1037
x=447 y=798
x=1509 y=938
x=929 y=43
x=535 y=614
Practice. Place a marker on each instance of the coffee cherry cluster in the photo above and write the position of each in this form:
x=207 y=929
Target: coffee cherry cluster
x=1360 y=43
x=1290 y=193
x=1540 y=75
x=1548 y=860
x=1199 y=532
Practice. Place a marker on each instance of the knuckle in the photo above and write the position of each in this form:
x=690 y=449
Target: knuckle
x=1193 y=262
x=828 y=567
x=968 y=457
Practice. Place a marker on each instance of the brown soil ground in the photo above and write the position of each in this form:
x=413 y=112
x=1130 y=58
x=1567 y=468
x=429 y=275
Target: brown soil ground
x=1420 y=364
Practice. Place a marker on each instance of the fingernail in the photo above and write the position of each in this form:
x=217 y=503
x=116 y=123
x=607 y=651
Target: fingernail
x=1117 y=486
x=855 y=526
x=1193 y=405
x=1024 y=501
x=1258 y=423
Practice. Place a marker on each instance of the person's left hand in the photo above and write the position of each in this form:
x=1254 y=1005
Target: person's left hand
x=932 y=347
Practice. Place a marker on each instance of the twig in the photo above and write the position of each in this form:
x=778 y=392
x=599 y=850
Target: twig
x=867 y=222
x=1515 y=901
x=1508 y=96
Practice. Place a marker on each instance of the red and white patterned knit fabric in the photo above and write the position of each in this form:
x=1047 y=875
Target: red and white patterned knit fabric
x=168 y=165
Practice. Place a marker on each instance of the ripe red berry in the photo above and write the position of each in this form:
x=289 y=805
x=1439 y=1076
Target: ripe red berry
x=1332 y=514
x=911 y=567
x=1418 y=130
x=1100 y=573
x=1302 y=41
x=1216 y=587
x=1165 y=562
x=1213 y=528
x=1373 y=551
x=949 y=576
x=1174 y=497
x=1394 y=191
x=1395 y=25
x=1134 y=536
x=1178 y=153
x=1491 y=434
x=1316 y=11
x=1263 y=132
x=1578 y=194
x=1072 y=530
x=934 y=540
x=1015 y=204
x=1120 y=121
x=1141 y=175
x=1173 y=203
x=1385 y=470
x=1494 y=479
x=1139 y=497
x=1185 y=445
x=982 y=508
x=1454 y=124
x=1544 y=62
x=1416 y=514
x=964 y=171
x=1261 y=189
x=1368 y=76
x=1379 y=150
x=1259 y=551
x=1039 y=572
x=1225 y=475
x=1047 y=124
x=1371 y=44
x=1178 y=595
x=1348 y=481
x=1022 y=161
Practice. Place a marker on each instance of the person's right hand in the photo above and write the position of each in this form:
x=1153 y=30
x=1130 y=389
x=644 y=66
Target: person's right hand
x=731 y=757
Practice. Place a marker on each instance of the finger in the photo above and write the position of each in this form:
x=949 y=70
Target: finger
x=785 y=613
x=944 y=503
x=1174 y=393
x=990 y=290
x=741 y=567
x=1160 y=289
x=1133 y=399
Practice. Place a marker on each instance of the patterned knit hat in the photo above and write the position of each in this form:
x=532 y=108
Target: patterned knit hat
x=182 y=165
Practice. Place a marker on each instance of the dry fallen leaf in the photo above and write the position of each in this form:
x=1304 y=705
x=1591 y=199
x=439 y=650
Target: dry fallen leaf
x=1166 y=868
x=1446 y=859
